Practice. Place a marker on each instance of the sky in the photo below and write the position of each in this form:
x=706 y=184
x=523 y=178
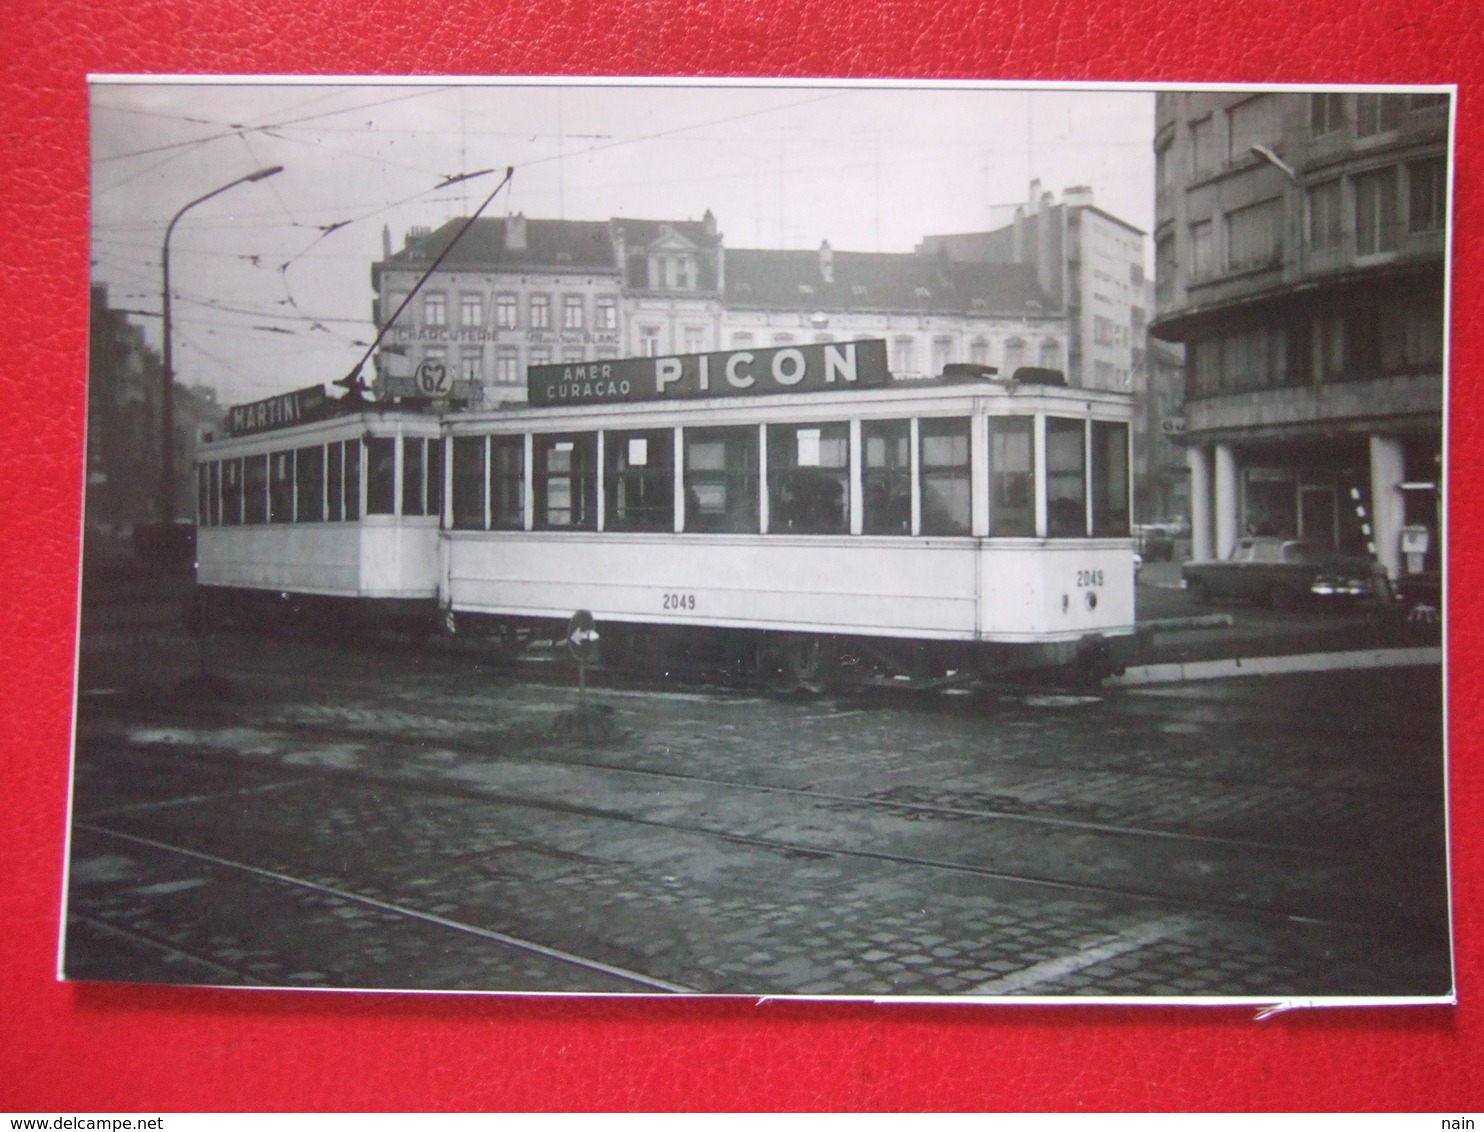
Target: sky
x=271 y=279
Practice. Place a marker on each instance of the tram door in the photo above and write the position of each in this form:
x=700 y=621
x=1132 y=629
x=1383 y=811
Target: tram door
x=1317 y=514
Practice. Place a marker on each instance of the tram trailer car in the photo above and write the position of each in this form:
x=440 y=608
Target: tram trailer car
x=316 y=515
x=798 y=512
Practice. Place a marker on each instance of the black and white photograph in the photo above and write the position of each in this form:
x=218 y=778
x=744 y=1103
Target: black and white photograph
x=950 y=542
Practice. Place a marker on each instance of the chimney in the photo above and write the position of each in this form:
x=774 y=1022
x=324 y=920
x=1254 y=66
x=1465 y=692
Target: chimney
x=1077 y=196
x=621 y=253
x=386 y=242
x=721 y=269
x=826 y=262
x=1036 y=195
x=708 y=223
x=515 y=232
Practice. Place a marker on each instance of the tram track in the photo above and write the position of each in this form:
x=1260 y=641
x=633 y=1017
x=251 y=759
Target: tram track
x=422 y=917
x=815 y=850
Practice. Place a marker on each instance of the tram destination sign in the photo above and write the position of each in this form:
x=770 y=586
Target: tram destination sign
x=276 y=412
x=727 y=373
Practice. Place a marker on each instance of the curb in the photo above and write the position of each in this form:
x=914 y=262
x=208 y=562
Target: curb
x=1179 y=673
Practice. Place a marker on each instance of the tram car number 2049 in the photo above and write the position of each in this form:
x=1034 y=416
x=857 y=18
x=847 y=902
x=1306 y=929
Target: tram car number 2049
x=680 y=601
x=1089 y=578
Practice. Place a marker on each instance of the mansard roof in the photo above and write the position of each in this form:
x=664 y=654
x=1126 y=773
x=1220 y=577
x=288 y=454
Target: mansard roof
x=550 y=245
x=875 y=281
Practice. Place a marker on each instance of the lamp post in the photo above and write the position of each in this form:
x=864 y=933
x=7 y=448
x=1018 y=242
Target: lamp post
x=167 y=400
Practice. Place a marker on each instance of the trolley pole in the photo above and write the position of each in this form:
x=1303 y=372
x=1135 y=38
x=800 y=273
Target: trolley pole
x=167 y=393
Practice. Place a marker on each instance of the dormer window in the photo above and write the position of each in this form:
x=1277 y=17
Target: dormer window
x=923 y=293
x=858 y=289
x=806 y=288
x=672 y=273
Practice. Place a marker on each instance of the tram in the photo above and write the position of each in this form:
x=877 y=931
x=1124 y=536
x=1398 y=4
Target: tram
x=321 y=511
x=798 y=511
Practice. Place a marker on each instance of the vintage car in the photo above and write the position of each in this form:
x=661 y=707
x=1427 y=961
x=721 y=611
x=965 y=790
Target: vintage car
x=1284 y=573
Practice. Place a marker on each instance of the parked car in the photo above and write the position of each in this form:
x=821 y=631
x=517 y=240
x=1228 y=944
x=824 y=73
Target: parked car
x=1285 y=573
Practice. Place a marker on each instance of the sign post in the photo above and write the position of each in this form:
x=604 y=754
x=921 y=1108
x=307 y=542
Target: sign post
x=593 y=724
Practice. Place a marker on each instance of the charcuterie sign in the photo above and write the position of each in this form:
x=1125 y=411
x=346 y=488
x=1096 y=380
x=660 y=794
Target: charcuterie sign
x=729 y=373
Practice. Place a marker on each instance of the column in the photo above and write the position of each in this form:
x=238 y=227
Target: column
x=1198 y=460
x=1226 y=500
x=1388 y=470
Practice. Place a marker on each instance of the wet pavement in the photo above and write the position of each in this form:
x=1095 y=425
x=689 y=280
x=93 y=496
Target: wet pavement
x=406 y=818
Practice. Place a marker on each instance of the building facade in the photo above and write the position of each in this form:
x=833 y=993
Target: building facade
x=1300 y=248
x=931 y=311
x=514 y=293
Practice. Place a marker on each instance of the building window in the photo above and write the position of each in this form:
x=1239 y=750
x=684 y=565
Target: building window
x=721 y=479
x=1066 y=479
x=695 y=339
x=1012 y=487
x=1427 y=195
x=394 y=303
x=607 y=313
x=1411 y=337
x=540 y=312
x=887 y=477
x=540 y=356
x=943 y=472
x=649 y=341
x=942 y=354
x=1014 y=356
x=1050 y=354
x=507 y=365
x=572 y=312
x=1254 y=122
x=507 y=482
x=1202 y=147
x=435 y=309
x=979 y=352
x=639 y=480
x=1326 y=225
x=783 y=339
x=471 y=364
x=507 y=311
x=1202 y=250
x=471 y=309
x=809 y=479
x=1376 y=212
x=903 y=359
x=469 y=482
x=1377 y=113
x=1254 y=236
x=565 y=482
x=1326 y=113
x=742 y=339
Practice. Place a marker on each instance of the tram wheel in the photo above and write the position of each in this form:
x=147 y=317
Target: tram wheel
x=809 y=661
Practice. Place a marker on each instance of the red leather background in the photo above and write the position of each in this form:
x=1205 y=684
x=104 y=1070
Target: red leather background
x=118 y=1048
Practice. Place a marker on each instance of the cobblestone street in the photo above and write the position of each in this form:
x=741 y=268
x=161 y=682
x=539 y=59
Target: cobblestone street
x=407 y=819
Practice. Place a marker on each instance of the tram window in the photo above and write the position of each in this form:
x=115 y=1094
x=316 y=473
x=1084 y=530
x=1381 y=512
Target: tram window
x=507 y=483
x=1066 y=478
x=335 y=482
x=352 y=480
x=214 y=503
x=468 y=482
x=381 y=475
x=203 y=494
x=414 y=485
x=639 y=480
x=565 y=482
x=255 y=489
x=809 y=478
x=944 y=456
x=309 y=473
x=435 y=475
x=1110 y=517
x=887 y=477
x=281 y=487
x=1012 y=477
x=232 y=492
x=721 y=479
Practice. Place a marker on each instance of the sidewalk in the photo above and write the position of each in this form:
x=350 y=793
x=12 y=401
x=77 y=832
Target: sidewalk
x=1182 y=639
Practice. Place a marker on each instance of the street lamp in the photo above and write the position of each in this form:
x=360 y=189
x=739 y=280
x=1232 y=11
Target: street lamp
x=167 y=410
